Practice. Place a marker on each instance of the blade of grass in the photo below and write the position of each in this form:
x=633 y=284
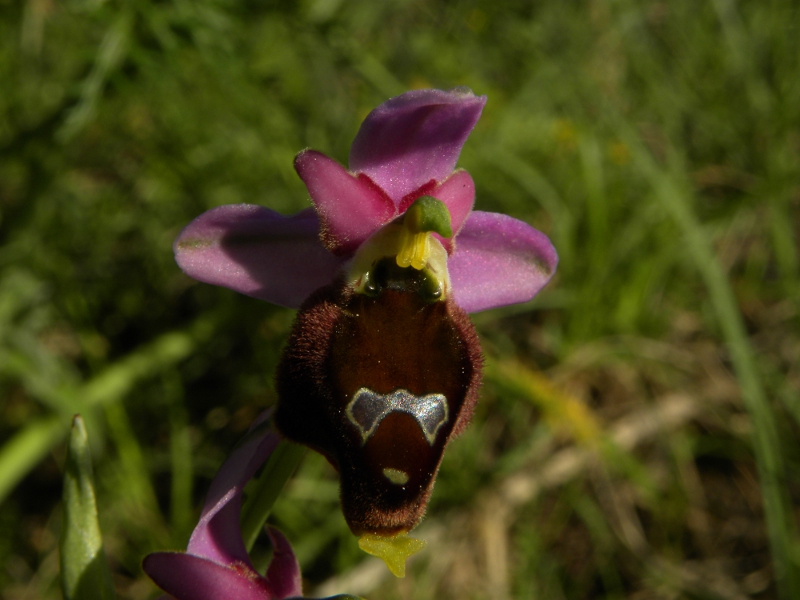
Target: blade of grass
x=133 y=473
x=118 y=379
x=568 y=414
x=85 y=574
x=27 y=447
x=181 y=462
x=784 y=243
x=110 y=54
x=674 y=195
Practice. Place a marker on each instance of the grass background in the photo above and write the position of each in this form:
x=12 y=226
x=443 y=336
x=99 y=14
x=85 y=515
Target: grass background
x=637 y=435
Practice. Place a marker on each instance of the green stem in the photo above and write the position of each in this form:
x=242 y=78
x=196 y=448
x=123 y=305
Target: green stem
x=265 y=490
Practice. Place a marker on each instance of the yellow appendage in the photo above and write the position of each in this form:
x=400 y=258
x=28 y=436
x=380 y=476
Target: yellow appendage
x=415 y=249
x=393 y=550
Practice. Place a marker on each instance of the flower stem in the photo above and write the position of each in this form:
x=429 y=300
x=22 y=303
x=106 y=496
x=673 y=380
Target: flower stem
x=265 y=489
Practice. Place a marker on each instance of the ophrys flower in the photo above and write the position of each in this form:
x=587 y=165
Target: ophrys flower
x=383 y=365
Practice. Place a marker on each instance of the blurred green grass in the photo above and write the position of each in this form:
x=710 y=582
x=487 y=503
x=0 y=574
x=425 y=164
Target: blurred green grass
x=637 y=435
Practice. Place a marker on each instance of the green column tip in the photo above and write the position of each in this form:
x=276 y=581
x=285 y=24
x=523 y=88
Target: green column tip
x=429 y=214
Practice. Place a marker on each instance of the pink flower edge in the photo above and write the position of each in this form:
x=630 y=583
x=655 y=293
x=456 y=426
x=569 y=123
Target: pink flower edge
x=258 y=252
x=499 y=261
x=414 y=138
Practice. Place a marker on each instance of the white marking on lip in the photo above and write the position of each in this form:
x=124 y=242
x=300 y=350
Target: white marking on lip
x=367 y=409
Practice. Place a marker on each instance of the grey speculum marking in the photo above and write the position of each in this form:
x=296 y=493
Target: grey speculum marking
x=367 y=409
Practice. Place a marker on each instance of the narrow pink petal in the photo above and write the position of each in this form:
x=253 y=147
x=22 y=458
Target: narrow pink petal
x=498 y=261
x=415 y=137
x=258 y=252
x=218 y=535
x=188 y=577
x=350 y=208
x=458 y=194
x=284 y=571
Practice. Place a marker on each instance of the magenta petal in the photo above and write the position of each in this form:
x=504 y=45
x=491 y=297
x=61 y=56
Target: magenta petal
x=351 y=208
x=415 y=137
x=498 y=261
x=258 y=252
x=217 y=535
x=284 y=571
x=458 y=194
x=188 y=577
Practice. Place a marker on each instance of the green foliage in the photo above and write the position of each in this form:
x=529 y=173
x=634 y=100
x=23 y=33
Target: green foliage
x=84 y=569
x=657 y=143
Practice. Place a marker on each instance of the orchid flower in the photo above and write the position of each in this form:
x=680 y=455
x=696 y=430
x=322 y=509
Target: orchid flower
x=406 y=148
x=216 y=564
x=383 y=365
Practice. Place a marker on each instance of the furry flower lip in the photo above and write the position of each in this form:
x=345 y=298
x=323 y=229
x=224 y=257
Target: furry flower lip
x=383 y=365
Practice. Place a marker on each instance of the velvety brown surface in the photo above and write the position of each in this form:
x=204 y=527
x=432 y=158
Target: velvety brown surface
x=342 y=342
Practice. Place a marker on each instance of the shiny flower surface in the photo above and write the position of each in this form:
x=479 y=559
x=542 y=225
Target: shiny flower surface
x=383 y=365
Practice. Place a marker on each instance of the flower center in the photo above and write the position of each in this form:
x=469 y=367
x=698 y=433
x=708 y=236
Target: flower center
x=404 y=255
x=425 y=215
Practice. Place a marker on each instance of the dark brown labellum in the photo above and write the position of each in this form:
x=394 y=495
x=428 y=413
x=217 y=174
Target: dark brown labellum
x=379 y=383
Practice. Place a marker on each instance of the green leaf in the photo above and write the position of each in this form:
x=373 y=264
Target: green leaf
x=85 y=574
x=26 y=448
